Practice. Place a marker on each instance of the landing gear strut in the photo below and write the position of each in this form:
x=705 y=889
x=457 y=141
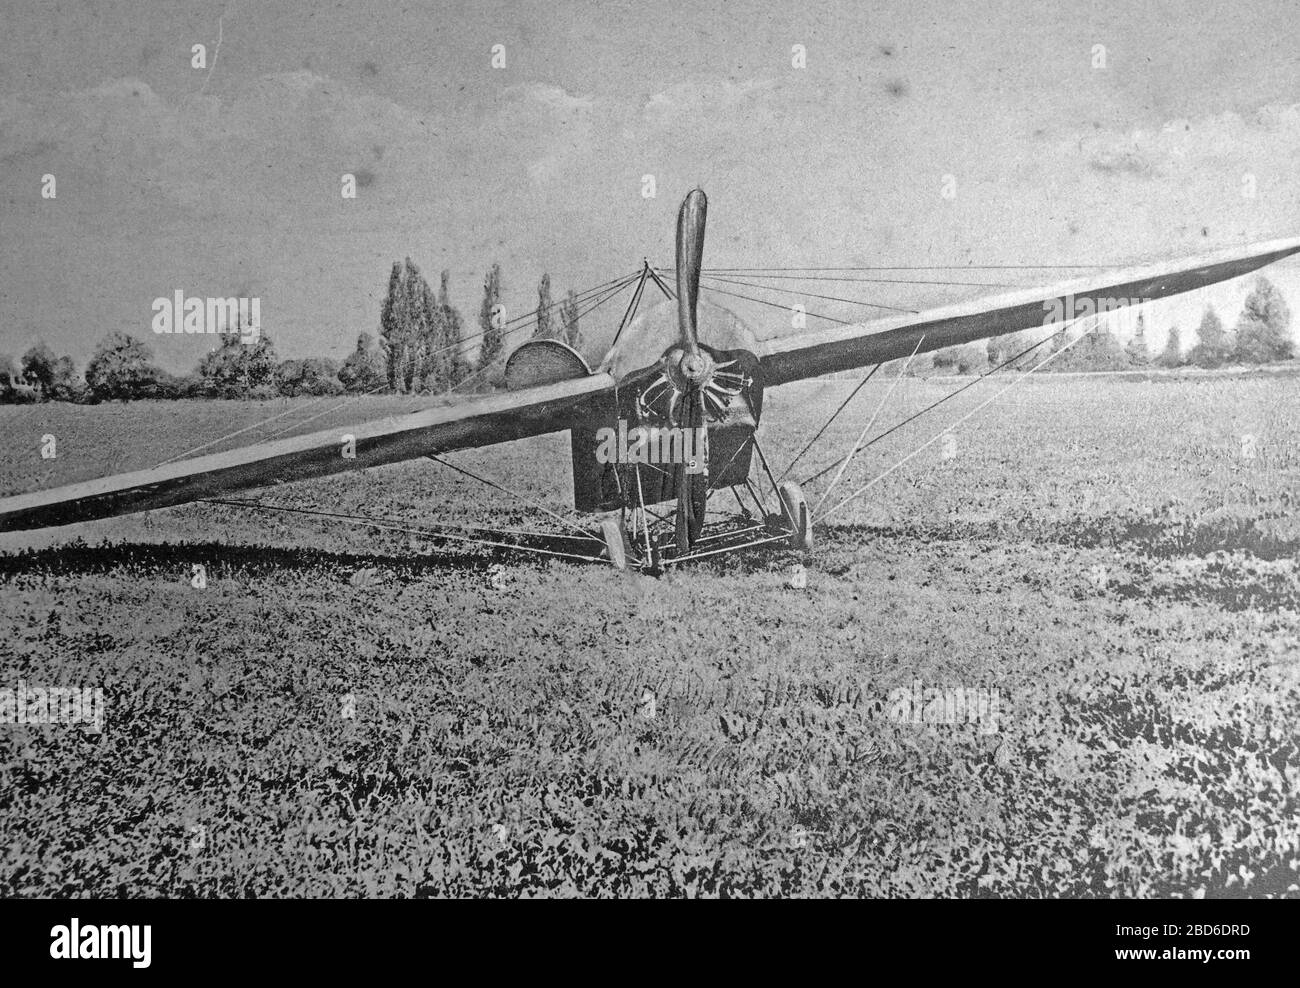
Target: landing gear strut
x=797 y=515
x=616 y=545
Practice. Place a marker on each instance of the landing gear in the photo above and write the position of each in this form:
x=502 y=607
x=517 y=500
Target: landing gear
x=797 y=515
x=643 y=539
x=615 y=537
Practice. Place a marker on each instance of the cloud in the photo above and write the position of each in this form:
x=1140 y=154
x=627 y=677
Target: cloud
x=1266 y=140
x=549 y=131
x=1191 y=182
x=1206 y=181
x=1122 y=161
x=703 y=96
x=110 y=147
x=799 y=170
x=556 y=97
x=302 y=112
x=121 y=144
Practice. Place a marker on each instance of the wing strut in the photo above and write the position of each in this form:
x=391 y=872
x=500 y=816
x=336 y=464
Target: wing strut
x=834 y=415
x=933 y=405
x=844 y=464
x=583 y=533
x=632 y=306
x=947 y=429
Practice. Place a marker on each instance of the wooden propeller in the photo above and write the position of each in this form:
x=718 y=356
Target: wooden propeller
x=690 y=368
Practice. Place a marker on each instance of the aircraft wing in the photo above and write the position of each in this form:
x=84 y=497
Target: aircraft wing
x=477 y=422
x=554 y=407
x=792 y=358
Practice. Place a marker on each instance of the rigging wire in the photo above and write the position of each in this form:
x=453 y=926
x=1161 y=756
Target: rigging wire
x=592 y=308
x=632 y=306
x=583 y=295
x=586 y=295
x=937 y=436
x=237 y=432
x=398 y=526
x=843 y=405
x=870 y=422
x=522 y=497
x=923 y=267
x=455 y=387
x=792 y=291
x=776 y=305
x=933 y=405
x=613 y=285
x=616 y=290
x=662 y=287
x=880 y=281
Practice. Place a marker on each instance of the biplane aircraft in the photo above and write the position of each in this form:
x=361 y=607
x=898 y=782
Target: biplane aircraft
x=670 y=416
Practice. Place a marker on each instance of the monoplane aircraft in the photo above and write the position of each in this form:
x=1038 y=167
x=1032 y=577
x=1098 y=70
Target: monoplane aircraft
x=665 y=419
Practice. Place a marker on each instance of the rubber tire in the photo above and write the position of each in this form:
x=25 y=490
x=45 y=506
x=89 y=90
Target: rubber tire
x=797 y=515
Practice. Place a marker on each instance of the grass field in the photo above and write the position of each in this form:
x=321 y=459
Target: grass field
x=348 y=712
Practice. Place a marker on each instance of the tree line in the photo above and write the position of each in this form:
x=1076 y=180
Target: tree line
x=423 y=347
x=1261 y=335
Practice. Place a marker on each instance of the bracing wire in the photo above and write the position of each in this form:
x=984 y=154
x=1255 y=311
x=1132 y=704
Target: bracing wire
x=614 y=284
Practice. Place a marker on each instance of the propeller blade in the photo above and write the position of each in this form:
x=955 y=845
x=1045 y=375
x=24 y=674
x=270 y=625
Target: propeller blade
x=692 y=487
x=690 y=369
x=690 y=256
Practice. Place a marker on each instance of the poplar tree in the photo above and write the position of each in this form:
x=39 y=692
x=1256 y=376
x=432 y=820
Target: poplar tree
x=453 y=331
x=493 y=336
x=569 y=321
x=418 y=328
x=543 y=330
x=392 y=319
x=1138 y=354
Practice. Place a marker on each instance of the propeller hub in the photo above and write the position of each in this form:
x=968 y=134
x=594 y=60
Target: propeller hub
x=696 y=367
x=686 y=370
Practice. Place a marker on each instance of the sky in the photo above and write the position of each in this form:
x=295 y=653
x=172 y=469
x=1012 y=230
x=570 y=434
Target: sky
x=227 y=179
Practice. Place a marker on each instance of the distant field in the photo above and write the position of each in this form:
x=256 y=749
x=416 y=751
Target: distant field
x=1115 y=561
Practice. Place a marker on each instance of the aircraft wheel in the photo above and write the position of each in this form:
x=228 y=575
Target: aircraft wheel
x=615 y=543
x=798 y=516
